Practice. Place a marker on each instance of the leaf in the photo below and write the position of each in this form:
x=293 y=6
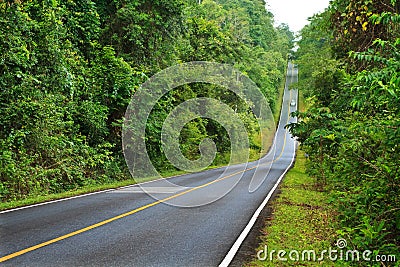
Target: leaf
x=364 y=26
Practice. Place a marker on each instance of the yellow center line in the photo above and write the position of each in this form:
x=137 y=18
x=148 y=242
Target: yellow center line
x=96 y=225
x=18 y=253
x=287 y=121
x=286 y=131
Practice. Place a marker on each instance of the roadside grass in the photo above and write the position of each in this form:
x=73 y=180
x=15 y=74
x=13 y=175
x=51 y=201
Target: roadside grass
x=301 y=220
x=30 y=200
x=302 y=101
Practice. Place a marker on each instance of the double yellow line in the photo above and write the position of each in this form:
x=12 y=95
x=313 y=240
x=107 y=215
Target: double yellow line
x=93 y=226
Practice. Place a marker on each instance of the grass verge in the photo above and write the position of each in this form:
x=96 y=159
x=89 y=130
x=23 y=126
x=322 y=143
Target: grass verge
x=301 y=220
x=30 y=200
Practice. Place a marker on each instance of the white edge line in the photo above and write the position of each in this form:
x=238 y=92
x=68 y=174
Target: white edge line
x=54 y=201
x=86 y=195
x=94 y=193
x=235 y=247
x=97 y=192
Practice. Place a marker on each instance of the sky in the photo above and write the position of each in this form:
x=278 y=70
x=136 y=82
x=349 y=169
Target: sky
x=295 y=12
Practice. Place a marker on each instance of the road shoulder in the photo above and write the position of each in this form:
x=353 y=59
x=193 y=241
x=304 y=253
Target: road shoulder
x=299 y=218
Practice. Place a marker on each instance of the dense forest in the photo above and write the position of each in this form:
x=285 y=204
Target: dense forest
x=68 y=70
x=349 y=62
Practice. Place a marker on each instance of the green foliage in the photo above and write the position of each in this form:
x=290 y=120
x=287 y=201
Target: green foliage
x=54 y=127
x=143 y=31
x=351 y=132
x=356 y=24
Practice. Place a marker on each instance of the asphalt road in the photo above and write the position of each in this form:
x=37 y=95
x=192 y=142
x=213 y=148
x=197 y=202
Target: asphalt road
x=127 y=227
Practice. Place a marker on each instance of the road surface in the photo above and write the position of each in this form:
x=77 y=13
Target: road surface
x=127 y=227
